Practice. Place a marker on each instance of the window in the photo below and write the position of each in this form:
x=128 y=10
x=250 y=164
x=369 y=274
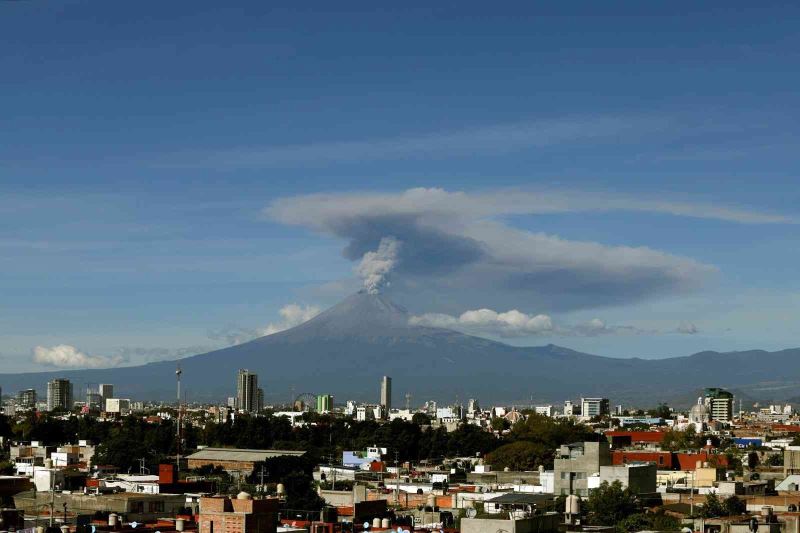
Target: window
x=156 y=507
x=137 y=507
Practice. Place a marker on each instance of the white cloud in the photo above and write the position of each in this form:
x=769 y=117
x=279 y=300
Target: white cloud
x=515 y=323
x=291 y=315
x=66 y=356
x=511 y=323
x=455 y=245
x=315 y=209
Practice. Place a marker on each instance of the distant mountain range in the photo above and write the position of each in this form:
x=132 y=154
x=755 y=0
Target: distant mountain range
x=345 y=350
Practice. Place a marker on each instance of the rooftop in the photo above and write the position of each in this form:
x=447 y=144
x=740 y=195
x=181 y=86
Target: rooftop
x=241 y=454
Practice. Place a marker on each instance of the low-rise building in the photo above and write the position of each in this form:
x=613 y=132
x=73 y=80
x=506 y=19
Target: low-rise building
x=134 y=506
x=638 y=477
x=237 y=460
x=118 y=406
x=575 y=463
x=238 y=515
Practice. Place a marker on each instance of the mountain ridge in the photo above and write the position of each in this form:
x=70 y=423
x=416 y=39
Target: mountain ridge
x=347 y=348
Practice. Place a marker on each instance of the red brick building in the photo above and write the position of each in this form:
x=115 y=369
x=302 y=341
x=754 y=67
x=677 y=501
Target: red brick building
x=237 y=515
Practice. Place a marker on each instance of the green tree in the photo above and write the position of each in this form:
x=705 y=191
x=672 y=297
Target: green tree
x=520 y=455
x=752 y=460
x=775 y=459
x=675 y=440
x=662 y=411
x=421 y=419
x=500 y=424
x=550 y=433
x=658 y=521
x=734 y=506
x=712 y=507
x=609 y=504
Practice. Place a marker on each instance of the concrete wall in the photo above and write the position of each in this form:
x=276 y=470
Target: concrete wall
x=638 y=478
x=337 y=498
x=503 y=477
x=535 y=524
x=579 y=467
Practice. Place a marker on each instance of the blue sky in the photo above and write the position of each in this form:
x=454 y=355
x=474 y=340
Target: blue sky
x=143 y=148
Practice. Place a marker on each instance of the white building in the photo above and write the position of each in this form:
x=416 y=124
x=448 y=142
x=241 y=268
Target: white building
x=118 y=406
x=402 y=414
x=546 y=410
x=591 y=407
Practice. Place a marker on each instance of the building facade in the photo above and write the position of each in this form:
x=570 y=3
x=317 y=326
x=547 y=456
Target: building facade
x=247 y=391
x=591 y=407
x=105 y=390
x=640 y=478
x=59 y=394
x=26 y=399
x=575 y=463
x=386 y=394
x=238 y=515
x=118 y=406
x=324 y=403
x=719 y=403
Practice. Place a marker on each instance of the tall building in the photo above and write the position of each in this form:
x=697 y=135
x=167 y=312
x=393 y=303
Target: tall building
x=26 y=399
x=719 y=403
x=386 y=394
x=260 y=399
x=94 y=400
x=247 y=391
x=324 y=403
x=106 y=391
x=591 y=407
x=59 y=394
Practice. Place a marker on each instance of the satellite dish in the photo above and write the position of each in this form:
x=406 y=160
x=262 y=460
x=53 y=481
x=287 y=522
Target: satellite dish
x=471 y=512
x=366 y=525
x=134 y=525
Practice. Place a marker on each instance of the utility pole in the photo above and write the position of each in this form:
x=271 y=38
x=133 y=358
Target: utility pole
x=397 y=480
x=52 y=494
x=178 y=373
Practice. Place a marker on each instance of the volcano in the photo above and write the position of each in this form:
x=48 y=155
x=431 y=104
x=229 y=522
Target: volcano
x=345 y=350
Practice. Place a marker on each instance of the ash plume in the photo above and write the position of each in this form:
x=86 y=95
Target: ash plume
x=375 y=267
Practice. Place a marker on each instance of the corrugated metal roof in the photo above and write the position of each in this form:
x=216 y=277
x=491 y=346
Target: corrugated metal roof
x=240 y=454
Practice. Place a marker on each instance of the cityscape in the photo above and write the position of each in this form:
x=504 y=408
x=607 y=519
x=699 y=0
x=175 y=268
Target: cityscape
x=245 y=465
x=421 y=267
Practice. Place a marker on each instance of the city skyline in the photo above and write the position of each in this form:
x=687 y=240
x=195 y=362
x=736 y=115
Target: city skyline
x=621 y=180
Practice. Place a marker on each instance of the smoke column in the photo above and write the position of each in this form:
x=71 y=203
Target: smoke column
x=375 y=267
